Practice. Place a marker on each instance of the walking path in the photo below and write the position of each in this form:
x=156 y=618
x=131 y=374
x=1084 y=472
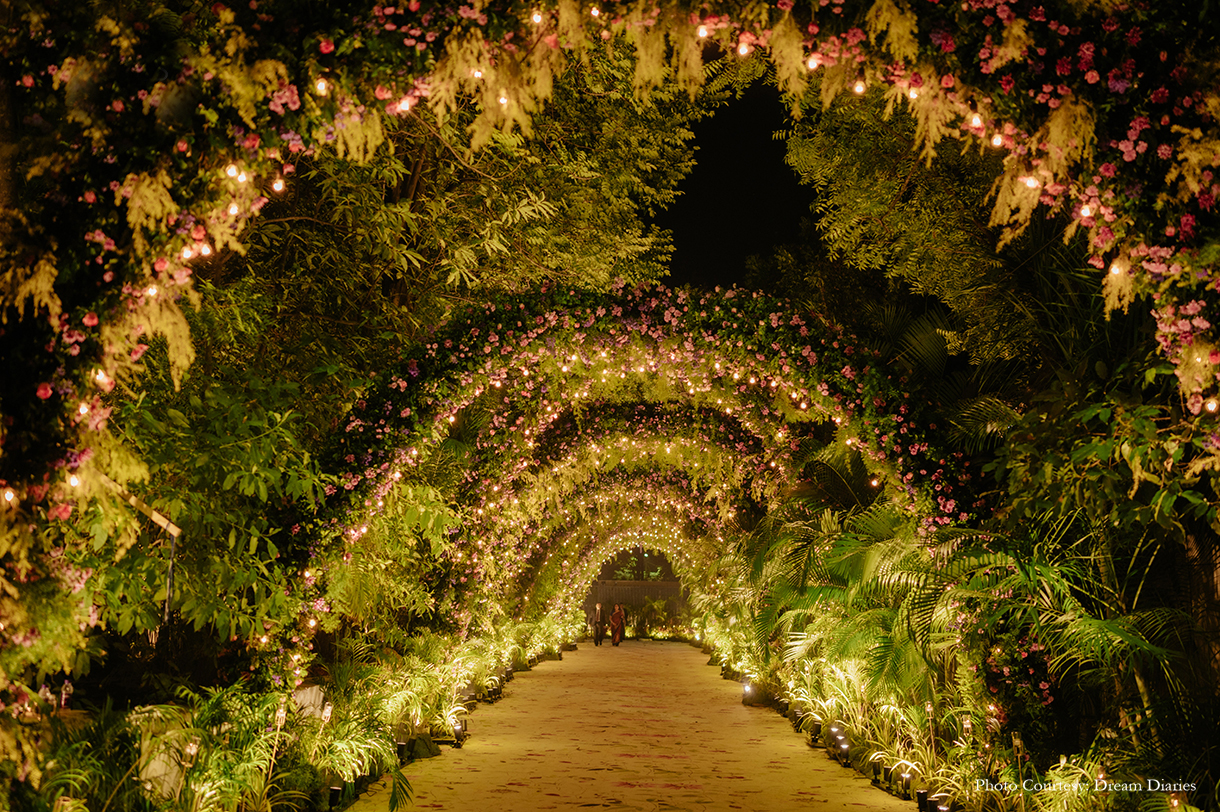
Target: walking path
x=645 y=726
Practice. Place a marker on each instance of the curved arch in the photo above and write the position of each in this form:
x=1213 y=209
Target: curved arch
x=548 y=363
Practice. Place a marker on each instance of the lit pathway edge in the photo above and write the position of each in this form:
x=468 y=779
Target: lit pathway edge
x=647 y=726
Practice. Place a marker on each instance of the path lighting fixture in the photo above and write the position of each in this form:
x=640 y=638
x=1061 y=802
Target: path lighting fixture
x=906 y=785
x=921 y=800
x=281 y=714
x=887 y=774
x=876 y=772
x=192 y=750
x=968 y=726
x=327 y=710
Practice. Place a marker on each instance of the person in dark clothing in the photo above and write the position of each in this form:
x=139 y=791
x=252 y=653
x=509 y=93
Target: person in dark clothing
x=598 y=619
x=618 y=622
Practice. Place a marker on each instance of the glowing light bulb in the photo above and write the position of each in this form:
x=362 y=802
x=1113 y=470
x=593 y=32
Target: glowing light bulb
x=976 y=121
x=504 y=100
x=74 y=481
x=702 y=31
x=321 y=87
x=83 y=408
x=233 y=209
x=231 y=171
x=743 y=49
x=1086 y=211
x=913 y=93
x=1212 y=404
x=263 y=639
x=187 y=253
x=1115 y=270
x=1031 y=182
x=205 y=249
x=478 y=74
x=241 y=178
x=312 y=623
x=100 y=376
x=873 y=483
x=859 y=88
x=537 y=18
x=814 y=62
x=152 y=290
x=594 y=11
x=278 y=185
x=404 y=105
x=997 y=140
x=9 y=495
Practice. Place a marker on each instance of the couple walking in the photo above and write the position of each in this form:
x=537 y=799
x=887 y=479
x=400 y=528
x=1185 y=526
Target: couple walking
x=617 y=621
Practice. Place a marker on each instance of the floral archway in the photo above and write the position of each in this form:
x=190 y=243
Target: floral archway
x=726 y=389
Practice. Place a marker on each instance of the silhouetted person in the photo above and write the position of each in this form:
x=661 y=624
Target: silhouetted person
x=618 y=621
x=598 y=619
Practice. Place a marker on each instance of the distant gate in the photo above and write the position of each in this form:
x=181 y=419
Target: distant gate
x=633 y=594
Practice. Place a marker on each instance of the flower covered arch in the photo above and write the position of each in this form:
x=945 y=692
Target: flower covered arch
x=660 y=405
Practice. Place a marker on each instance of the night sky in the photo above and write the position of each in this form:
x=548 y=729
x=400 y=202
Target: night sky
x=740 y=199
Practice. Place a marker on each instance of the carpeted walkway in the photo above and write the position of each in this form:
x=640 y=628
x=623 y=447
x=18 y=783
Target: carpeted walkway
x=645 y=726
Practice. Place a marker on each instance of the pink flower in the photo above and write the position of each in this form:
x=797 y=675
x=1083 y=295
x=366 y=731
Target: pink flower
x=27 y=80
x=326 y=46
x=90 y=319
x=946 y=81
x=182 y=146
x=138 y=351
x=90 y=197
x=1092 y=77
x=117 y=105
x=44 y=390
x=60 y=512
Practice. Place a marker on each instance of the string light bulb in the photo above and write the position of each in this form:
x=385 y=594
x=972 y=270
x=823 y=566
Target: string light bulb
x=83 y=409
x=74 y=481
x=1086 y=211
x=743 y=49
x=187 y=253
x=537 y=18
x=702 y=31
x=278 y=185
x=859 y=88
x=1211 y=405
x=9 y=495
x=504 y=100
x=814 y=62
x=1115 y=270
x=152 y=290
x=231 y=170
x=404 y=105
x=233 y=209
x=594 y=11
x=1031 y=182
x=976 y=121
x=912 y=93
x=205 y=249
x=321 y=87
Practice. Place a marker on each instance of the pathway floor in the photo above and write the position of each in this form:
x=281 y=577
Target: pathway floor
x=645 y=726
